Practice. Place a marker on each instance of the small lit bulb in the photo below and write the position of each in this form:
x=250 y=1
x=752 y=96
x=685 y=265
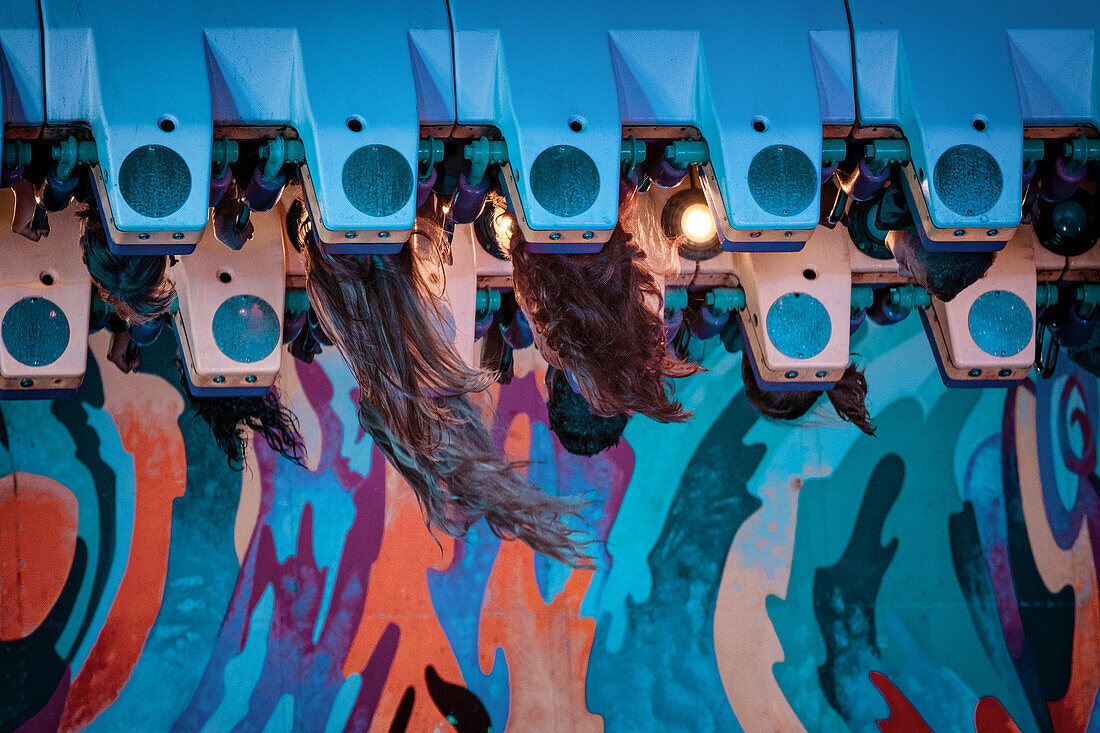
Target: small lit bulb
x=697 y=224
x=505 y=226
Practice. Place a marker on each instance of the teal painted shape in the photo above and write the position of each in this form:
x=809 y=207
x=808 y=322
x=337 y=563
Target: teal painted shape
x=968 y=180
x=564 y=180
x=154 y=181
x=782 y=180
x=1000 y=323
x=799 y=325
x=246 y=328
x=377 y=180
x=35 y=331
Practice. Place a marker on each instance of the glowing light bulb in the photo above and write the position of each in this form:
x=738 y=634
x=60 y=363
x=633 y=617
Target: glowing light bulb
x=697 y=223
x=505 y=226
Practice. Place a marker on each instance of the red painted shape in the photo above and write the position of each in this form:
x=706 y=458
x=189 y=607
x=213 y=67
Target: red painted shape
x=38 y=518
x=904 y=718
x=991 y=717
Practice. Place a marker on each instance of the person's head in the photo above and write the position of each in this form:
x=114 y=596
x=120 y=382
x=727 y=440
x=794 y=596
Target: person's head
x=943 y=274
x=598 y=316
x=233 y=419
x=136 y=286
x=414 y=394
x=580 y=431
x=848 y=396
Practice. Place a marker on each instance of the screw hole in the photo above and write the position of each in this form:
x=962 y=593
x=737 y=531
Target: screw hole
x=577 y=124
x=46 y=278
x=979 y=123
x=355 y=123
x=166 y=123
x=225 y=276
x=760 y=124
x=809 y=274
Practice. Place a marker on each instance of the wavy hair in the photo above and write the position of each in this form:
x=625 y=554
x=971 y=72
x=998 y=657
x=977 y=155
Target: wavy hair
x=136 y=286
x=233 y=419
x=848 y=397
x=593 y=312
x=414 y=388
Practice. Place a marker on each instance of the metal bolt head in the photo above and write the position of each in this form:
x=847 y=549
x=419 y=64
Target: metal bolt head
x=1004 y=373
x=791 y=374
x=177 y=235
x=820 y=374
x=26 y=383
x=991 y=233
x=975 y=372
x=755 y=235
x=959 y=232
x=219 y=379
x=588 y=235
x=555 y=236
x=350 y=235
x=383 y=235
x=250 y=378
x=143 y=236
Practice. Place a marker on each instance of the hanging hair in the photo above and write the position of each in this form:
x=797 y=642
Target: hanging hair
x=136 y=286
x=232 y=419
x=415 y=393
x=849 y=398
x=594 y=313
x=579 y=431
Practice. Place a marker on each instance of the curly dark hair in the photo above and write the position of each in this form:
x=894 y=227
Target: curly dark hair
x=415 y=394
x=595 y=315
x=580 y=431
x=232 y=419
x=137 y=286
x=848 y=396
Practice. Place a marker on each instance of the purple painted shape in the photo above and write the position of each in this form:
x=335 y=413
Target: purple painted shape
x=864 y=183
x=424 y=187
x=827 y=172
x=48 y=719
x=482 y=327
x=261 y=195
x=468 y=200
x=705 y=323
x=8 y=176
x=374 y=679
x=312 y=673
x=1058 y=184
x=218 y=187
x=663 y=173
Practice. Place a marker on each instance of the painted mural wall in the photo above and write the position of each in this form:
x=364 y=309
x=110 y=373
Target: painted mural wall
x=942 y=575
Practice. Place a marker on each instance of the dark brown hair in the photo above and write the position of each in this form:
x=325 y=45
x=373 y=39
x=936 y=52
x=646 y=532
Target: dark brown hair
x=594 y=312
x=849 y=398
x=136 y=286
x=415 y=397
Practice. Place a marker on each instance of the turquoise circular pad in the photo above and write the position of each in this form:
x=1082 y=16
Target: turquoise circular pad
x=799 y=325
x=246 y=328
x=377 y=180
x=782 y=180
x=967 y=180
x=1000 y=323
x=154 y=181
x=564 y=180
x=35 y=331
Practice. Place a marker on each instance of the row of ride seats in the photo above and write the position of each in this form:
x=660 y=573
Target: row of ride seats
x=974 y=113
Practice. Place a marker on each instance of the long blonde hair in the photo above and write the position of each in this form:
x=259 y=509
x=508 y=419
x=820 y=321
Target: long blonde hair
x=415 y=394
